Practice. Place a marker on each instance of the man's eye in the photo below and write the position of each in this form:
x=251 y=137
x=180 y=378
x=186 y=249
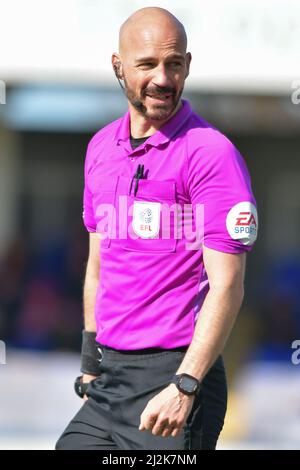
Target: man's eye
x=146 y=65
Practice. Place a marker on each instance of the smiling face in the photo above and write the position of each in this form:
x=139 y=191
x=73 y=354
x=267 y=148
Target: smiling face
x=153 y=62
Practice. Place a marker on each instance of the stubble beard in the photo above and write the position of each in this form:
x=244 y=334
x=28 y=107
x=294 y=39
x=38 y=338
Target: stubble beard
x=159 y=112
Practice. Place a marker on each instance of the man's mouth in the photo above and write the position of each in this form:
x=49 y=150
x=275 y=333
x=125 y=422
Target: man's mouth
x=159 y=97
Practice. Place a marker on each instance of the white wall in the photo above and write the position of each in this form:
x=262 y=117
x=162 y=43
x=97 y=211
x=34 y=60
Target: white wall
x=247 y=46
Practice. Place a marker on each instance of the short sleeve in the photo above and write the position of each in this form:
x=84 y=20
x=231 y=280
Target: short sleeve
x=219 y=180
x=88 y=213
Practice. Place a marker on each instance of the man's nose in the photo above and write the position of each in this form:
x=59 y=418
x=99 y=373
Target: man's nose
x=161 y=77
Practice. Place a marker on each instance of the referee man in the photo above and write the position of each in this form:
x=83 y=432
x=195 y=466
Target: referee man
x=159 y=300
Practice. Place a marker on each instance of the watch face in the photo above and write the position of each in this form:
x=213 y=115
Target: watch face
x=188 y=384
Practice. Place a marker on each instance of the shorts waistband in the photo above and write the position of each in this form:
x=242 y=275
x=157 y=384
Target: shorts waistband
x=141 y=352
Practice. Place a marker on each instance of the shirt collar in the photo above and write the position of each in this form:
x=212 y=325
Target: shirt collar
x=162 y=135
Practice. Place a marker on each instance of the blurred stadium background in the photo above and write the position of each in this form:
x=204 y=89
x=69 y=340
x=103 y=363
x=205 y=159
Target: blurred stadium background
x=57 y=90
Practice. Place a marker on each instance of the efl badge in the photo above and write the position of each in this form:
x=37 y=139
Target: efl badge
x=146 y=218
x=242 y=222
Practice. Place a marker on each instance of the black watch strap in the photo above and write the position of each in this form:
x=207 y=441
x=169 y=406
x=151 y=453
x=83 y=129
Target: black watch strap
x=80 y=387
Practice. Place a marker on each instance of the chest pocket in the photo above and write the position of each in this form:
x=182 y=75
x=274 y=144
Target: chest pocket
x=104 y=194
x=151 y=215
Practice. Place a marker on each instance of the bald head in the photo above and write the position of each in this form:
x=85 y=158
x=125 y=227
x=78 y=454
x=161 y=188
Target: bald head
x=148 y=24
x=153 y=62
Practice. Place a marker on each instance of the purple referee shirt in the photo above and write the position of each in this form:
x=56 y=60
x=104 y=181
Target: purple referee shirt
x=195 y=190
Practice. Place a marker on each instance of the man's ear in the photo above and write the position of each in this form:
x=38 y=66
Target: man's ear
x=117 y=65
x=187 y=62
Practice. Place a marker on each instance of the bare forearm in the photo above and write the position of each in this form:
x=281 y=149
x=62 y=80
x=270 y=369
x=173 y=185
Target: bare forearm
x=214 y=324
x=89 y=299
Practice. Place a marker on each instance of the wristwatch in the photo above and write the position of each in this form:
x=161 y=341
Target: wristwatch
x=80 y=387
x=187 y=384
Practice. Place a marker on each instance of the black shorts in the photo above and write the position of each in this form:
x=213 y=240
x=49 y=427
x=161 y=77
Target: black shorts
x=110 y=418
